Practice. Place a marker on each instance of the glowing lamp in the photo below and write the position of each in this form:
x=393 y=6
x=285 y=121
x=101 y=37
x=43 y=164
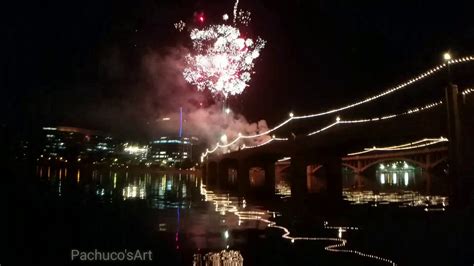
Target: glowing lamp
x=447 y=56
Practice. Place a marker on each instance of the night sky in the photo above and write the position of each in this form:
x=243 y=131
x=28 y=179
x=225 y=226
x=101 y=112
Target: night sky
x=80 y=63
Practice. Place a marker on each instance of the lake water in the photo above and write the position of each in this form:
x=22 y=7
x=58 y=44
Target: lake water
x=180 y=220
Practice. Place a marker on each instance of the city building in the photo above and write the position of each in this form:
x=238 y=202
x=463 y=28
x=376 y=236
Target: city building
x=76 y=144
x=133 y=153
x=168 y=151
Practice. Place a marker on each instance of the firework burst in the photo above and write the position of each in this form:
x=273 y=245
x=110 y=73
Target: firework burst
x=180 y=25
x=244 y=17
x=222 y=59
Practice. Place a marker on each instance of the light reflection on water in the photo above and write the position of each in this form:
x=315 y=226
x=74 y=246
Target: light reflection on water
x=208 y=219
x=403 y=199
x=265 y=217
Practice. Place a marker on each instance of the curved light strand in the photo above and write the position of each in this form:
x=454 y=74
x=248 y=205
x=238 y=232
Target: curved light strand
x=387 y=92
x=337 y=122
x=407 y=146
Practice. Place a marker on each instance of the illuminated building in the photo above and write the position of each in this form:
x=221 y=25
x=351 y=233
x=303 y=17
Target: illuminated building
x=78 y=144
x=169 y=151
x=134 y=152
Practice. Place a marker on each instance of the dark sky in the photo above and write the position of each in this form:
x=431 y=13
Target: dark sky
x=68 y=62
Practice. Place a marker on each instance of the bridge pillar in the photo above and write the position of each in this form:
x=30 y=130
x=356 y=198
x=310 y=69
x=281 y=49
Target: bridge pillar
x=359 y=180
x=204 y=172
x=359 y=167
x=457 y=196
x=222 y=174
x=333 y=167
x=298 y=176
x=427 y=179
x=269 y=177
x=467 y=121
x=212 y=173
x=243 y=179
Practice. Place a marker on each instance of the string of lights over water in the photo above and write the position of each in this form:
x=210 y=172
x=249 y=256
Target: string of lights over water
x=339 y=121
x=407 y=146
x=389 y=91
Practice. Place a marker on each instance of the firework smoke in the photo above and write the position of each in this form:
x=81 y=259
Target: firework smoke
x=201 y=118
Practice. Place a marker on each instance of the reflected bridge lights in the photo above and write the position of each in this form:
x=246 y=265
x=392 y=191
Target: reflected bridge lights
x=264 y=216
x=396 y=173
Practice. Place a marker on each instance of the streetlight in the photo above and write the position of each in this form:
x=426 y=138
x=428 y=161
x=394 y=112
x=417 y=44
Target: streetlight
x=224 y=138
x=447 y=58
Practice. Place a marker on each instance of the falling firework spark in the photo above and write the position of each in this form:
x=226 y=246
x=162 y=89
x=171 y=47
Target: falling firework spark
x=180 y=25
x=236 y=5
x=244 y=17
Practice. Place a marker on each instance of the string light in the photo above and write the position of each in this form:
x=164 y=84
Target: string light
x=406 y=146
x=467 y=91
x=265 y=143
x=324 y=128
x=374 y=119
x=338 y=121
x=284 y=159
x=366 y=100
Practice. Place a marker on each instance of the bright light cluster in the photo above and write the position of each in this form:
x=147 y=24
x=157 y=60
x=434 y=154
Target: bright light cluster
x=222 y=60
x=180 y=25
x=136 y=150
x=244 y=17
x=407 y=146
x=366 y=100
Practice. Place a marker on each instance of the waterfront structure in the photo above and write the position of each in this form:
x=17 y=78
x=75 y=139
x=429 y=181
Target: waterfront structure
x=76 y=144
x=169 y=151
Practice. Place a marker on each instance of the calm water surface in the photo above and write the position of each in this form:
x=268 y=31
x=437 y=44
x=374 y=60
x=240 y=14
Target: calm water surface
x=179 y=218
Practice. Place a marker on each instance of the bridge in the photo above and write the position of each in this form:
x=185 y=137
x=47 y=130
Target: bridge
x=425 y=158
x=314 y=140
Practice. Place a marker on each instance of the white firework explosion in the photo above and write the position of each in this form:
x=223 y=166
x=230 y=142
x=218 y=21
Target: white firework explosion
x=180 y=25
x=244 y=17
x=222 y=61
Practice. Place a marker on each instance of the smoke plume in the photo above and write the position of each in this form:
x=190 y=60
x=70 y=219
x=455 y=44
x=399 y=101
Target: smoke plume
x=203 y=116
